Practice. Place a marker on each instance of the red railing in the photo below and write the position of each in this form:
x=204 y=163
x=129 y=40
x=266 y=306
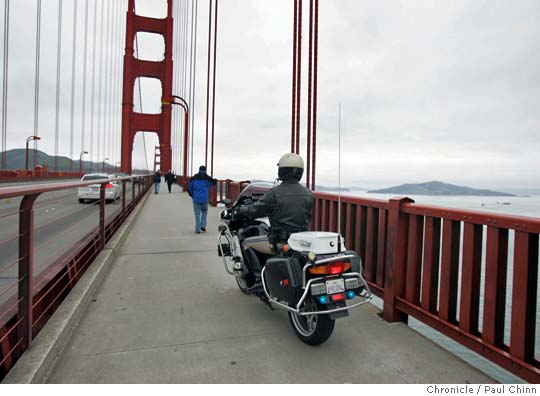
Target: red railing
x=40 y=275
x=433 y=263
x=36 y=174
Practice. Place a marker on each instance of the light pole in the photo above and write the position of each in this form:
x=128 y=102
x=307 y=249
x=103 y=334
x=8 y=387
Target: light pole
x=103 y=165
x=28 y=140
x=80 y=161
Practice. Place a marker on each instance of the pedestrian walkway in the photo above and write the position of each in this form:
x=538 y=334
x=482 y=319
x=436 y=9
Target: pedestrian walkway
x=168 y=313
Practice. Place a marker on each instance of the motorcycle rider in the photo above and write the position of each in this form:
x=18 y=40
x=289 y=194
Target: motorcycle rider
x=288 y=207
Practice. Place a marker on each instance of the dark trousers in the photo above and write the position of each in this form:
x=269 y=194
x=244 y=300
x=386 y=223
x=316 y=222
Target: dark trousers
x=169 y=186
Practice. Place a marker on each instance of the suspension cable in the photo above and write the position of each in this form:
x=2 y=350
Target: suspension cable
x=93 y=87
x=58 y=84
x=36 y=81
x=98 y=148
x=73 y=64
x=5 y=85
x=108 y=87
x=83 y=123
x=192 y=103
x=214 y=86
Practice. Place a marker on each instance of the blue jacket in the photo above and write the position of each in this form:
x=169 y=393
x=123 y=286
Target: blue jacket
x=199 y=186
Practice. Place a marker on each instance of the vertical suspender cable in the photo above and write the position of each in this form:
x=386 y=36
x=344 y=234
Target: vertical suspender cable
x=214 y=86
x=36 y=86
x=111 y=83
x=293 y=112
x=98 y=148
x=193 y=62
x=117 y=83
x=208 y=81
x=310 y=83
x=58 y=84
x=299 y=77
x=5 y=85
x=94 y=36
x=83 y=115
x=73 y=64
x=315 y=61
x=106 y=105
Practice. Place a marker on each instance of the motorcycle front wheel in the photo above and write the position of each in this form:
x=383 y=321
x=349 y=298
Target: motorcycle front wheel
x=312 y=329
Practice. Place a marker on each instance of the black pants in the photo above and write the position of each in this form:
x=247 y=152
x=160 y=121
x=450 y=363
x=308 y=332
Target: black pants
x=169 y=186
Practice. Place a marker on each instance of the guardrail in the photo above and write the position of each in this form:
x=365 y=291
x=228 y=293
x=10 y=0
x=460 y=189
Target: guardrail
x=448 y=268
x=31 y=290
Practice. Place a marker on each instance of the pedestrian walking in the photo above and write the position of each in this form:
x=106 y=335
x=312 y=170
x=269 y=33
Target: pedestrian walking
x=198 y=189
x=169 y=179
x=157 y=182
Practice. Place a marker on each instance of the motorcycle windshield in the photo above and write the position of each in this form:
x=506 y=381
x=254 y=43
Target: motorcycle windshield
x=255 y=191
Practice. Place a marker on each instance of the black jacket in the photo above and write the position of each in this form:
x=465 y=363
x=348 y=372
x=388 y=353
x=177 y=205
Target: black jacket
x=157 y=178
x=170 y=177
x=288 y=207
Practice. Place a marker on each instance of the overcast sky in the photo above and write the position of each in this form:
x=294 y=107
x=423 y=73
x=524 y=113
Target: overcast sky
x=430 y=90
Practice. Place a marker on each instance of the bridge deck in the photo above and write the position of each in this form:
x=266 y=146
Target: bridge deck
x=168 y=313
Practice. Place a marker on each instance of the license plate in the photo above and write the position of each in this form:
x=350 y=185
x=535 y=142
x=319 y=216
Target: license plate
x=335 y=286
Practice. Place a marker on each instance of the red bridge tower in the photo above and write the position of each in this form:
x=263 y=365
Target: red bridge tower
x=134 y=68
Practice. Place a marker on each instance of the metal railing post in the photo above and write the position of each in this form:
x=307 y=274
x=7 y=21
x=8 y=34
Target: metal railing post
x=26 y=267
x=102 y=215
x=394 y=280
x=124 y=198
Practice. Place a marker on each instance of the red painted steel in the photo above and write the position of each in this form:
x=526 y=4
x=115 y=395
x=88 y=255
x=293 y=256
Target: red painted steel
x=132 y=123
x=208 y=80
x=214 y=87
x=431 y=264
x=299 y=76
x=524 y=296
x=449 y=270
x=293 y=100
x=414 y=259
x=470 y=278
x=413 y=249
x=495 y=285
x=381 y=247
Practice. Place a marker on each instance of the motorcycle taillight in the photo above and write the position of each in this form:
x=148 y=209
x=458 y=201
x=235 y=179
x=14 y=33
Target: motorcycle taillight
x=334 y=268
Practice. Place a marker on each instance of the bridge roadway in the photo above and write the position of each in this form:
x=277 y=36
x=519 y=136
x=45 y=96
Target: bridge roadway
x=168 y=313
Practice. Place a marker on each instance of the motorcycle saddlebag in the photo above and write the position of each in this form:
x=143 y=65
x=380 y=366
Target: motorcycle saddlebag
x=283 y=278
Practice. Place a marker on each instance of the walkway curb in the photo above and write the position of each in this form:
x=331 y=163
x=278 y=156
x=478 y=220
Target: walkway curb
x=36 y=362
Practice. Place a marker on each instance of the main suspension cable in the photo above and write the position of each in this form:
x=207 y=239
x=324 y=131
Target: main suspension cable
x=83 y=123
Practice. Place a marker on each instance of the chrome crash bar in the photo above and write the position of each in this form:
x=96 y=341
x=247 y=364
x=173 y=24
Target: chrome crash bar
x=366 y=296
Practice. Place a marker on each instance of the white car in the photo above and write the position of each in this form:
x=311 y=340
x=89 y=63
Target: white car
x=113 y=190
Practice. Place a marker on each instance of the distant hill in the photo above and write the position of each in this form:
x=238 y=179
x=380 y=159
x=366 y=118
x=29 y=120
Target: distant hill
x=438 y=188
x=16 y=159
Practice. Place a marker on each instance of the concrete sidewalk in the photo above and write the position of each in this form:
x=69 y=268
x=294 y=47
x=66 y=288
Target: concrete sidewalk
x=168 y=313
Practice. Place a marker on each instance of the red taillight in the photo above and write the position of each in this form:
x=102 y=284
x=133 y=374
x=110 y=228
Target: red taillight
x=330 y=269
x=108 y=185
x=337 y=297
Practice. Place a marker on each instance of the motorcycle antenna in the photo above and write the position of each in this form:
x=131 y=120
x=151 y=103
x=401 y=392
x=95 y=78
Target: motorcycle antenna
x=339 y=180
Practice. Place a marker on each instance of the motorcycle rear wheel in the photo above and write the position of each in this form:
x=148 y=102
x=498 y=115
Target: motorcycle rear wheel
x=312 y=329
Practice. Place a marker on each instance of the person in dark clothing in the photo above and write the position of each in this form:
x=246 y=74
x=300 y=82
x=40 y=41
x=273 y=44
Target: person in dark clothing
x=157 y=182
x=198 y=189
x=170 y=178
x=288 y=206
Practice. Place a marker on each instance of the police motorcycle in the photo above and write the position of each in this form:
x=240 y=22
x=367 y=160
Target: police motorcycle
x=312 y=275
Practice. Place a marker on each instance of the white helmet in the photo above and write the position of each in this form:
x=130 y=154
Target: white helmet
x=290 y=165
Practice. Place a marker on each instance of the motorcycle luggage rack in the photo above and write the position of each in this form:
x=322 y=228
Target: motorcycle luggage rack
x=367 y=297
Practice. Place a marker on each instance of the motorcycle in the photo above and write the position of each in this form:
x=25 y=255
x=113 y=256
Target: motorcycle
x=312 y=276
